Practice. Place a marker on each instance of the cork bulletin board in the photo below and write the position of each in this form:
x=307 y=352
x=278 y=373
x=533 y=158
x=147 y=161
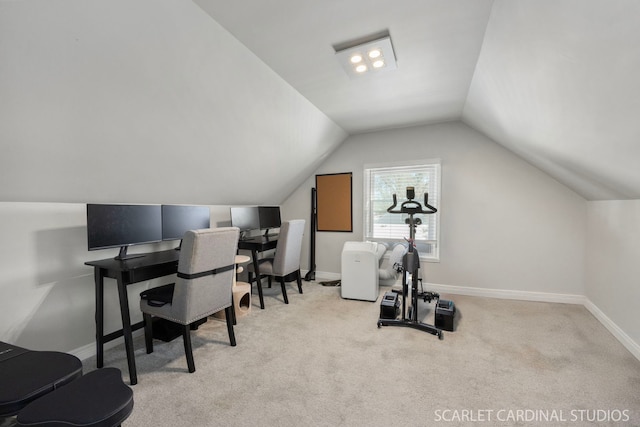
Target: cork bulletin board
x=334 y=202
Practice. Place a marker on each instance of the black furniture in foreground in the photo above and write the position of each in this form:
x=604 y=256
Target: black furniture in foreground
x=97 y=399
x=125 y=272
x=27 y=375
x=47 y=389
x=257 y=245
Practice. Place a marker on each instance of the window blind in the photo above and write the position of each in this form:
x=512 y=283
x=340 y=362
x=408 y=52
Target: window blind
x=381 y=183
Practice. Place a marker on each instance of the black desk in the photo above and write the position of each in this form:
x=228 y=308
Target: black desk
x=134 y=270
x=256 y=245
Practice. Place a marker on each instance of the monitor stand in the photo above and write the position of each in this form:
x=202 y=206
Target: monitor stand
x=268 y=236
x=122 y=256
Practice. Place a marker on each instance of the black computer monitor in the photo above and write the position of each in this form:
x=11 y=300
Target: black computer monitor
x=269 y=217
x=178 y=219
x=112 y=226
x=245 y=218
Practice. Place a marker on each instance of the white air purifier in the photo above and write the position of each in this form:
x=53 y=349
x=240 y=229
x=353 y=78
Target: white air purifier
x=359 y=271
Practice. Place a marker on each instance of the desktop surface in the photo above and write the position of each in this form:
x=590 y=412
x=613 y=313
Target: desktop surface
x=149 y=266
x=258 y=243
x=259 y=238
x=144 y=260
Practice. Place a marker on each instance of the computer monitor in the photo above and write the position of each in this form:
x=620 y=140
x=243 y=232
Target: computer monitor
x=269 y=217
x=178 y=219
x=245 y=218
x=112 y=226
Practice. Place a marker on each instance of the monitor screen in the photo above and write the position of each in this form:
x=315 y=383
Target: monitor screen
x=245 y=218
x=177 y=220
x=269 y=216
x=111 y=226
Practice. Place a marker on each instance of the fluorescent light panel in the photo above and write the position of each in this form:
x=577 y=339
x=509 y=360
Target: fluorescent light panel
x=374 y=56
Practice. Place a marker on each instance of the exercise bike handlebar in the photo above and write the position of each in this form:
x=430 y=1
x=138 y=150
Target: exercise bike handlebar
x=411 y=207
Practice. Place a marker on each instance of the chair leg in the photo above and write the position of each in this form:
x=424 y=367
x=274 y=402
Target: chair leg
x=250 y=280
x=188 y=351
x=148 y=332
x=233 y=312
x=269 y=282
x=259 y=283
x=232 y=336
x=299 y=279
x=284 y=290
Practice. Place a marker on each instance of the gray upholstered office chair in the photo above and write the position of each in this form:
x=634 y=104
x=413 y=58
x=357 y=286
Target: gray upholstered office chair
x=285 y=264
x=203 y=286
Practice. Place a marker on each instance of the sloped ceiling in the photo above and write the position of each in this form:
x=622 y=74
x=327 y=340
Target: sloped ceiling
x=557 y=83
x=146 y=101
x=554 y=81
x=436 y=43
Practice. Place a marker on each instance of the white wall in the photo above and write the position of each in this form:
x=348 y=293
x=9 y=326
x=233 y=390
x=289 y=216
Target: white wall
x=504 y=224
x=47 y=298
x=612 y=270
x=145 y=101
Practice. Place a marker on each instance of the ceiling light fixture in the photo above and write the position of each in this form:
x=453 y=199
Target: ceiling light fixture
x=372 y=56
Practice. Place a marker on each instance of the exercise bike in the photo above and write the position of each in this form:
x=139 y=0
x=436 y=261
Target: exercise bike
x=410 y=266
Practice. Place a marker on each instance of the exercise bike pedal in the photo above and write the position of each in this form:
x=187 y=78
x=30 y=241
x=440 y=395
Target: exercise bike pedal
x=430 y=296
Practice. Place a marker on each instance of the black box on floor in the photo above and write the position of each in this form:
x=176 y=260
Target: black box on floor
x=445 y=315
x=389 y=306
x=165 y=330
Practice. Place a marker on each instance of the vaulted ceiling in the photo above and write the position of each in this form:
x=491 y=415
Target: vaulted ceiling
x=554 y=81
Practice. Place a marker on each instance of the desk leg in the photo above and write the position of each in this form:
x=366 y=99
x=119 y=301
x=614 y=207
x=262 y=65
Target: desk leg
x=98 y=278
x=126 y=329
x=254 y=254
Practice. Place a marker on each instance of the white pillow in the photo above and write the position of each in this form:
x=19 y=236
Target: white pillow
x=395 y=258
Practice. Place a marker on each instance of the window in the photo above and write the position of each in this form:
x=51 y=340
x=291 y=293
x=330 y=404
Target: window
x=381 y=182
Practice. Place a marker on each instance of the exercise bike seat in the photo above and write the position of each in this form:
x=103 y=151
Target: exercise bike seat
x=27 y=375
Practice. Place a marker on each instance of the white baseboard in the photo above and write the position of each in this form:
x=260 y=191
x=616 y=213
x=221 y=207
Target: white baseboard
x=507 y=294
x=87 y=351
x=321 y=275
x=625 y=339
